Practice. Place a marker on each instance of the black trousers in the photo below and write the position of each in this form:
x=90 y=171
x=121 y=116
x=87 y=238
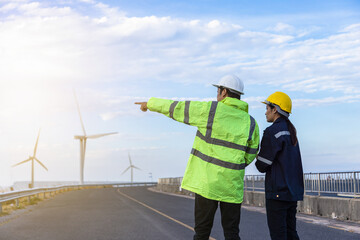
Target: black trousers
x=204 y=217
x=281 y=218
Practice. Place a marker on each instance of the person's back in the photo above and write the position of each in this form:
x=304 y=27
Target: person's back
x=223 y=141
x=227 y=141
x=284 y=180
x=280 y=158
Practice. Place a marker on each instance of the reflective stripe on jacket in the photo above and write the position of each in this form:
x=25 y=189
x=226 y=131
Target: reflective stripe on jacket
x=226 y=142
x=281 y=161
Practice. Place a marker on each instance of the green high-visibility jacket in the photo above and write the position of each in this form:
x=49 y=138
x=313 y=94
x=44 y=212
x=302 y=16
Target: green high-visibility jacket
x=226 y=142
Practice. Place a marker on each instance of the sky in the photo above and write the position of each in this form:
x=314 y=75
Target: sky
x=113 y=53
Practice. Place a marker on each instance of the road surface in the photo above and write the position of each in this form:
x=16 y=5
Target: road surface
x=137 y=213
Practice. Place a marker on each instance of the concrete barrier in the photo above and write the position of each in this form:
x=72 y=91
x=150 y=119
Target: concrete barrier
x=331 y=207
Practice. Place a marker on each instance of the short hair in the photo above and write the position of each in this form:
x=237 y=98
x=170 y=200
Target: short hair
x=230 y=93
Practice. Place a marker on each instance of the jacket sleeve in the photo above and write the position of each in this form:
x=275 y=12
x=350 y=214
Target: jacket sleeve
x=268 y=151
x=253 y=145
x=189 y=112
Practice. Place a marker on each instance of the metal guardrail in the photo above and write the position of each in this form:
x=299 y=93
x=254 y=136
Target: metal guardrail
x=342 y=183
x=327 y=183
x=16 y=195
x=254 y=182
x=170 y=181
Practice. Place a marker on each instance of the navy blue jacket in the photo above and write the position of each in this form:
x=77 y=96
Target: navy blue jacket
x=281 y=161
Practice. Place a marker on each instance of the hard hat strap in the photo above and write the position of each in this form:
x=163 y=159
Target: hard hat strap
x=282 y=112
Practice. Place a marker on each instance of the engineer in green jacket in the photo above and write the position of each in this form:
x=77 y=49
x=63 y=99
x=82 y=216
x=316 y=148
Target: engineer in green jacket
x=226 y=141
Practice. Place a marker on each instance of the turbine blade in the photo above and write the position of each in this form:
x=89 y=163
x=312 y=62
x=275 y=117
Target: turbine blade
x=29 y=159
x=36 y=144
x=100 y=135
x=78 y=107
x=136 y=167
x=41 y=164
x=125 y=170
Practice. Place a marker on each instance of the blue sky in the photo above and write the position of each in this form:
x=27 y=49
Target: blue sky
x=114 y=53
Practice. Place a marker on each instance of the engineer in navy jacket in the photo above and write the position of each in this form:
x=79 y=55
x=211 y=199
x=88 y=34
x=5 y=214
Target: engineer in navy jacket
x=280 y=159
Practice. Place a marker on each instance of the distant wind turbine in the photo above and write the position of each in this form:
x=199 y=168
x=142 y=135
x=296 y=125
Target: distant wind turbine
x=130 y=167
x=83 y=139
x=32 y=158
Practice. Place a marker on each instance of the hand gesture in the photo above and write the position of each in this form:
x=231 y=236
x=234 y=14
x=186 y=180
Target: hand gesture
x=143 y=106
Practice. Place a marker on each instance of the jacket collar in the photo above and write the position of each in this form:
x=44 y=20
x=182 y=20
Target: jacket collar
x=280 y=119
x=236 y=103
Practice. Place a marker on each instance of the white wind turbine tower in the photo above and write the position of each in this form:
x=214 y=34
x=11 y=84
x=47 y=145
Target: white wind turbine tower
x=131 y=168
x=32 y=158
x=83 y=139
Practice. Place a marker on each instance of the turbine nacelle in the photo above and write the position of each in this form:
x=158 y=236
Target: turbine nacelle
x=79 y=137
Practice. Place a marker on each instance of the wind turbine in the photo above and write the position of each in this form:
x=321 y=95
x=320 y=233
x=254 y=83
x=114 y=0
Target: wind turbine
x=32 y=158
x=130 y=167
x=83 y=139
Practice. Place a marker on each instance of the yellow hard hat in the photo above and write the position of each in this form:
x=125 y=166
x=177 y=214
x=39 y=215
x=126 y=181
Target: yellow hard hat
x=280 y=99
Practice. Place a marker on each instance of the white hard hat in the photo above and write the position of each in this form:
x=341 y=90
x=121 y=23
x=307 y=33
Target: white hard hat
x=233 y=83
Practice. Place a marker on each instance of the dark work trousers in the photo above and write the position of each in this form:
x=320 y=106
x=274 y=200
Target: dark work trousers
x=204 y=217
x=281 y=219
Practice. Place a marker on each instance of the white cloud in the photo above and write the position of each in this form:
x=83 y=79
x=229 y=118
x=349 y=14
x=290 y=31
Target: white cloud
x=326 y=101
x=282 y=27
x=213 y=24
x=265 y=38
x=8 y=7
x=63 y=45
x=87 y=1
x=352 y=27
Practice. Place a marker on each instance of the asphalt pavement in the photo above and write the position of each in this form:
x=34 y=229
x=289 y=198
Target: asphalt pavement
x=137 y=213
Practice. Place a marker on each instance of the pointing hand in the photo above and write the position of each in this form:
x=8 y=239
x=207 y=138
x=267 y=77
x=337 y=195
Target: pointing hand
x=143 y=106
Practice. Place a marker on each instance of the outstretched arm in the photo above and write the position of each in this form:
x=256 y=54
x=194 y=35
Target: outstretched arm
x=194 y=113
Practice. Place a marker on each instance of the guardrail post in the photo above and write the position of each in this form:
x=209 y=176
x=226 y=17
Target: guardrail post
x=17 y=202
x=0 y=208
x=312 y=183
x=354 y=183
x=253 y=183
x=245 y=183
x=318 y=184
x=304 y=182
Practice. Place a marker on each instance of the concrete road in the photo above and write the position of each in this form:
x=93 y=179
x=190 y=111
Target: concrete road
x=136 y=213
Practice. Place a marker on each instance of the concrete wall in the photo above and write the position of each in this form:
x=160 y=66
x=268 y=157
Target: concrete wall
x=332 y=207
